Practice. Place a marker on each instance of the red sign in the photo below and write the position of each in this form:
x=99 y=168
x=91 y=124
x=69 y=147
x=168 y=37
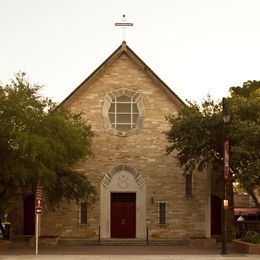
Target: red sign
x=226 y=159
x=38 y=203
x=38 y=211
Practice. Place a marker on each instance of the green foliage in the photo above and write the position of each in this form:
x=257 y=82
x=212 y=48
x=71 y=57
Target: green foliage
x=251 y=237
x=40 y=143
x=193 y=135
x=196 y=135
x=245 y=135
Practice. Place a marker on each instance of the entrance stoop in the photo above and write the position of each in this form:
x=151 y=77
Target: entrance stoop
x=123 y=242
x=203 y=241
x=21 y=238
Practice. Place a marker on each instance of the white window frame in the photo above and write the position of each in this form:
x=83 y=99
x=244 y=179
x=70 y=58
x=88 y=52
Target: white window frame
x=112 y=98
x=116 y=113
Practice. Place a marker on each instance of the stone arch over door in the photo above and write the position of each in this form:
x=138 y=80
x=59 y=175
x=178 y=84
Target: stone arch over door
x=122 y=178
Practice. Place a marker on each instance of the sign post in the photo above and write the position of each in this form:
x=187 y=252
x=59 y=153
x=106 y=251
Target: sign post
x=226 y=119
x=37 y=234
x=38 y=211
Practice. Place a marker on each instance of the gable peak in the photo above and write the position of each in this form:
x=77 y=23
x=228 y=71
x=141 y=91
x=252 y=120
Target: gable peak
x=124 y=45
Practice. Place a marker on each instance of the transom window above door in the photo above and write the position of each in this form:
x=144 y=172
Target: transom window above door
x=123 y=111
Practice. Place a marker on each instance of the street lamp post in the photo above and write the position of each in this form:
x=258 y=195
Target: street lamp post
x=226 y=119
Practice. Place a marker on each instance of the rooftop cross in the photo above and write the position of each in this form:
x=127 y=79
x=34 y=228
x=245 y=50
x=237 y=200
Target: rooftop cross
x=124 y=24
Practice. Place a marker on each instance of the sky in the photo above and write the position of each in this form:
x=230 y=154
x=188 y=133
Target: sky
x=197 y=47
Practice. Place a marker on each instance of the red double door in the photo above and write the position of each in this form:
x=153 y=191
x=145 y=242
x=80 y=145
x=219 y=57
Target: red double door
x=123 y=215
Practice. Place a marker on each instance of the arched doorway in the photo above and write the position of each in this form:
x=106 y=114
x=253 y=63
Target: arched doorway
x=123 y=203
x=215 y=215
x=29 y=215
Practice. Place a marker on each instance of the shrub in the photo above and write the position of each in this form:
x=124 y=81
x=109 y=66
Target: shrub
x=251 y=237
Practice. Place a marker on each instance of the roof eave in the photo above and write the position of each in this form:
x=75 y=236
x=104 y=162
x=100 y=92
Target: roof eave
x=122 y=48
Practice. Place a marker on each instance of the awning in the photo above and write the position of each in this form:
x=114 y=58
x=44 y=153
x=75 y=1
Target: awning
x=246 y=211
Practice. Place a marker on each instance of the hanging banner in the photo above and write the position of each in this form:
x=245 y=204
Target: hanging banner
x=226 y=159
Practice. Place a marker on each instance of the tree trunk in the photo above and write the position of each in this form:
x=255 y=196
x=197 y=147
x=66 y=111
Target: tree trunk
x=2 y=230
x=253 y=196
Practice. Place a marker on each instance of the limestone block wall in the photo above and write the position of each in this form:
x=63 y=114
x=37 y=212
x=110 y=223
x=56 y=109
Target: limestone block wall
x=145 y=151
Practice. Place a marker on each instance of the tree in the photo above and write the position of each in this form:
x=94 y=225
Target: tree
x=245 y=130
x=196 y=135
x=40 y=142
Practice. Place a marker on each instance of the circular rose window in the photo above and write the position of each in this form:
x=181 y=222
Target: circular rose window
x=123 y=111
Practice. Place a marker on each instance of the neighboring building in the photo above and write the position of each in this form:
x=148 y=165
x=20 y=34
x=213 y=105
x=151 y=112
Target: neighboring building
x=245 y=207
x=138 y=185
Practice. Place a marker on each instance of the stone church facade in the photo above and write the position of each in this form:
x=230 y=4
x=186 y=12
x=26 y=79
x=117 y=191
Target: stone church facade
x=138 y=185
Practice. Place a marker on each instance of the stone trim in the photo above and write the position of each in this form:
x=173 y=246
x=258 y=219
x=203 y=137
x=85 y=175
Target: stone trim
x=123 y=168
x=122 y=178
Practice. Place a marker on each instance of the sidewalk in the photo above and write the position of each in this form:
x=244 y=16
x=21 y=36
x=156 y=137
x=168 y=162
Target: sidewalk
x=21 y=251
x=135 y=257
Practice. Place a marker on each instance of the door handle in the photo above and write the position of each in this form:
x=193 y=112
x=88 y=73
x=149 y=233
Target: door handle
x=123 y=221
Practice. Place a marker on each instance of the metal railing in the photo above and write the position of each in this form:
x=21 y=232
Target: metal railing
x=147 y=235
x=99 y=235
x=242 y=227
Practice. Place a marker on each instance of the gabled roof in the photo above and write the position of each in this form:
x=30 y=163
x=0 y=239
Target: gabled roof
x=123 y=48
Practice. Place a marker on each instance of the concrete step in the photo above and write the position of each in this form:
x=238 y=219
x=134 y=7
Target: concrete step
x=112 y=242
x=170 y=242
x=77 y=242
x=20 y=238
x=125 y=241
